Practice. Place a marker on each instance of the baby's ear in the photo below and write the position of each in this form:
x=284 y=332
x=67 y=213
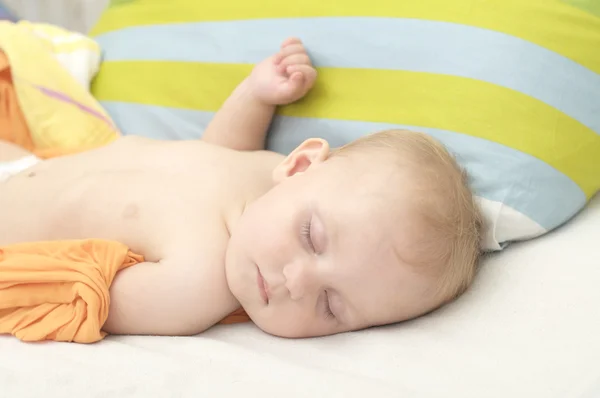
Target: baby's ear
x=311 y=151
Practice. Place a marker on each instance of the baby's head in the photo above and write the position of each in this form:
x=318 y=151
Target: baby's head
x=379 y=231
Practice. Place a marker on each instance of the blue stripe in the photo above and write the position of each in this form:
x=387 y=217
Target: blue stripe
x=499 y=173
x=378 y=43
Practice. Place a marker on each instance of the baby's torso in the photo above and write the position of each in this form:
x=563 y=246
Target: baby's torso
x=157 y=198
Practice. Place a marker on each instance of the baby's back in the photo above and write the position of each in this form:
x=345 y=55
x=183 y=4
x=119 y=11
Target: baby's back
x=153 y=196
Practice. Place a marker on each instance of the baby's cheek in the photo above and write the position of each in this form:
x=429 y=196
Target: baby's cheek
x=271 y=240
x=282 y=323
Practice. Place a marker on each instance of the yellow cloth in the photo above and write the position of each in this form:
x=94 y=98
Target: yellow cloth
x=56 y=114
x=59 y=290
x=77 y=53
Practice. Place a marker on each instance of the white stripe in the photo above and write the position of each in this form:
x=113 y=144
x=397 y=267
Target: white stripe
x=504 y=224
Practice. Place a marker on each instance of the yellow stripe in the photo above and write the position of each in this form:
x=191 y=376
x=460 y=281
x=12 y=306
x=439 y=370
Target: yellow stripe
x=588 y=5
x=439 y=101
x=552 y=24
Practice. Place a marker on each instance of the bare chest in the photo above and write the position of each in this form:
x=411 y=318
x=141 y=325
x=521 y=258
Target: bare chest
x=156 y=203
x=152 y=213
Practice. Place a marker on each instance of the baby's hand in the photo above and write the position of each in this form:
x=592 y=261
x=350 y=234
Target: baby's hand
x=284 y=77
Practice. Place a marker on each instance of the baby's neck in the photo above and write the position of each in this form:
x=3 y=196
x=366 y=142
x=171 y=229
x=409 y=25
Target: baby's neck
x=255 y=171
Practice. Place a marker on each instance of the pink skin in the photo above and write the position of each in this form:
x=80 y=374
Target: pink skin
x=320 y=254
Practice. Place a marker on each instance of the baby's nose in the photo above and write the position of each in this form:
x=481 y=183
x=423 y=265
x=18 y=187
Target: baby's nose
x=299 y=279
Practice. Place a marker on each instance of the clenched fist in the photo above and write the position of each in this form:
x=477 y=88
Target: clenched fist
x=284 y=77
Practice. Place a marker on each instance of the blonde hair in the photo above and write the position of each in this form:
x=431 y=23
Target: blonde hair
x=444 y=201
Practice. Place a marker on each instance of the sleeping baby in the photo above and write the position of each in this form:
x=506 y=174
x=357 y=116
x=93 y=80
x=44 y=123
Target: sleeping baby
x=317 y=242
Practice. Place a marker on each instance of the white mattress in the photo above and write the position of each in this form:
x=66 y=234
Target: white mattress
x=529 y=327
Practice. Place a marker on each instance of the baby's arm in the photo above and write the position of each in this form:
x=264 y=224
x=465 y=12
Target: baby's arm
x=243 y=120
x=176 y=297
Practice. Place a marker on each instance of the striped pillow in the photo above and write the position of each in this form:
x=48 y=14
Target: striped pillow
x=511 y=87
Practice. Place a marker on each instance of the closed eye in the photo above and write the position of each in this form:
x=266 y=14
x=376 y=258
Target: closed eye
x=306 y=235
x=328 y=312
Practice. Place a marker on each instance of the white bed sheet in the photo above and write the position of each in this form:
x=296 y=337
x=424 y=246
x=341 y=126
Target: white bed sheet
x=529 y=327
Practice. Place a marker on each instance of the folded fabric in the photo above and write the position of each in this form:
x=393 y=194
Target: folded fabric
x=45 y=107
x=77 y=53
x=59 y=290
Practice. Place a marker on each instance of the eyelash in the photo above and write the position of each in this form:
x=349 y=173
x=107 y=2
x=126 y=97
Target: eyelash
x=328 y=312
x=306 y=235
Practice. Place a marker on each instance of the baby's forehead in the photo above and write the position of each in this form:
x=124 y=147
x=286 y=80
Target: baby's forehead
x=378 y=195
x=383 y=168
x=367 y=233
x=382 y=231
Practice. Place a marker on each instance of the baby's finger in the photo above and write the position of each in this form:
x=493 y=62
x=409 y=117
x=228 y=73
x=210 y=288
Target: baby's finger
x=295 y=59
x=295 y=83
x=291 y=50
x=297 y=77
x=309 y=74
x=290 y=40
x=286 y=52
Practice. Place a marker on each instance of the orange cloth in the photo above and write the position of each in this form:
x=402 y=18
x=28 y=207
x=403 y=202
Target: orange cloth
x=237 y=316
x=13 y=127
x=59 y=290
